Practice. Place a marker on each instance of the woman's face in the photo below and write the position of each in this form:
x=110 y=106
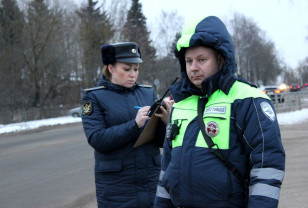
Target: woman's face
x=124 y=74
x=201 y=63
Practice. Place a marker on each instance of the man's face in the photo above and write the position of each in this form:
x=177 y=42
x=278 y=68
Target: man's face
x=201 y=63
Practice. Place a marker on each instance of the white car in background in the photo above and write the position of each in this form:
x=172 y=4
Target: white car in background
x=76 y=112
x=273 y=92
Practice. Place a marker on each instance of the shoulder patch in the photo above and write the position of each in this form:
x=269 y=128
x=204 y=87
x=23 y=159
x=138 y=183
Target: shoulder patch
x=93 y=88
x=87 y=108
x=268 y=111
x=147 y=86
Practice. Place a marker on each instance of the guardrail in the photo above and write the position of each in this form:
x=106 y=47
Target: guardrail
x=292 y=101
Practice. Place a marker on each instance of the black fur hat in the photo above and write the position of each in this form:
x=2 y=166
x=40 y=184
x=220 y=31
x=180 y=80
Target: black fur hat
x=126 y=52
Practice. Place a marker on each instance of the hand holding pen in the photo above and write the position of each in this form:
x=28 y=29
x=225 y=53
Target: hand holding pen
x=142 y=116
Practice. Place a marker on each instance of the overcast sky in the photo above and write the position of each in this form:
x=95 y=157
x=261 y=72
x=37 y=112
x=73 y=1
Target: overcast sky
x=284 y=21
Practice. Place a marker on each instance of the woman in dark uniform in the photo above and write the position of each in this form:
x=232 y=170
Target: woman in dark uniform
x=114 y=115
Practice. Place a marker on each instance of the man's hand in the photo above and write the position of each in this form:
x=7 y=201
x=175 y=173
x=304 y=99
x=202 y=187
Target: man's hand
x=165 y=110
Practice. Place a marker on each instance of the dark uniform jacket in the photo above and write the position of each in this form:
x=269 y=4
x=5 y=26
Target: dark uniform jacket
x=246 y=131
x=124 y=177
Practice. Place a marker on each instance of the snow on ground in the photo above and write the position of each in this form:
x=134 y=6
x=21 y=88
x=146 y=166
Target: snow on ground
x=38 y=123
x=293 y=117
x=283 y=119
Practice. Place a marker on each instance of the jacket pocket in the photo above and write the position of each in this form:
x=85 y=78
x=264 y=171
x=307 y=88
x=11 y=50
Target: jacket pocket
x=108 y=166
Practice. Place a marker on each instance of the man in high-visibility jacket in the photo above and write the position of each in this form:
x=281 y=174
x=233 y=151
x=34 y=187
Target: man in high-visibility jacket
x=237 y=117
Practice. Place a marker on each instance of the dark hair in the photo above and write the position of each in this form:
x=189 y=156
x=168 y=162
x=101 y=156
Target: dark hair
x=106 y=73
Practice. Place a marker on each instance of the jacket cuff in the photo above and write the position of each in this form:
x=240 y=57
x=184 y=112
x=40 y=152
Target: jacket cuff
x=134 y=130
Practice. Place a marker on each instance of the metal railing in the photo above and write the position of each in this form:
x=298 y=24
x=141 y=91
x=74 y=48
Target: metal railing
x=291 y=101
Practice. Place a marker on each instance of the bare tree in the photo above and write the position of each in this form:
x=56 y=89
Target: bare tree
x=45 y=53
x=117 y=11
x=64 y=70
x=292 y=76
x=256 y=56
x=302 y=70
x=163 y=31
x=70 y=90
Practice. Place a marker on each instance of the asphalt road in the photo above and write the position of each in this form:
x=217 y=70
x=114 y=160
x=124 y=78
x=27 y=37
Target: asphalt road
x=48 y=168
x=294 y=189
x=53 y=168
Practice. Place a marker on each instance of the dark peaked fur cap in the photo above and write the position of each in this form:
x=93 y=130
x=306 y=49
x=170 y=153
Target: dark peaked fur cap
x=125 y=52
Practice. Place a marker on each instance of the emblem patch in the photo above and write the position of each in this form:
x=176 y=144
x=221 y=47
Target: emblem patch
x=212 y=129
x=87 y=108
x=268 y=111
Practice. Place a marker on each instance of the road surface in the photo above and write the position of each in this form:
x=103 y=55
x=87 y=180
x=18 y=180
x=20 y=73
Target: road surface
x=50 y=168
x=53 y=168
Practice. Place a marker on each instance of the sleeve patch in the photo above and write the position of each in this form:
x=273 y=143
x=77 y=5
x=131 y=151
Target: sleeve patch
x=268 y=111
x=87 y=108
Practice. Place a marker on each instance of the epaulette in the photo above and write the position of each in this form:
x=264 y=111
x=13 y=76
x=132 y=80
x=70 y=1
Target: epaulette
x=93 y=88
x=147 y=86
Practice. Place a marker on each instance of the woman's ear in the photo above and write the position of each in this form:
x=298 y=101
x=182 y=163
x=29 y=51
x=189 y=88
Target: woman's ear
x=110 y=68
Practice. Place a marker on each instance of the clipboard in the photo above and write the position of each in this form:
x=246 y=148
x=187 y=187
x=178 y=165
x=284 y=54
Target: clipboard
x=149 y=132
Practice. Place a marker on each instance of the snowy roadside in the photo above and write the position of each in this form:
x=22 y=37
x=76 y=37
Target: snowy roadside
x=293 y=117
x=14 y=127
x=288 y=118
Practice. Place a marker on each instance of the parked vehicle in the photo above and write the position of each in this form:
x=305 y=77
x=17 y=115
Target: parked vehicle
x=295 y=87
x=282 y=87
x=76 y=112
x=273 y=92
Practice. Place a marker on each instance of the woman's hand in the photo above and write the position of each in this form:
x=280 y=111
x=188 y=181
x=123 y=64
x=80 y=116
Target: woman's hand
x=142 y=116
x=164 y=112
